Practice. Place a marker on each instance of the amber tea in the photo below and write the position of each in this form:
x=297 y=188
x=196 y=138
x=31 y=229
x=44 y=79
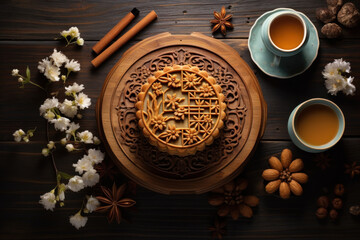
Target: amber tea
x=287 y=32
x=317 y=124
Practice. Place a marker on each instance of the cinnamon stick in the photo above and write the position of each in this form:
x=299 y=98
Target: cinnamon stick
x=115 y=31
x=124 y=39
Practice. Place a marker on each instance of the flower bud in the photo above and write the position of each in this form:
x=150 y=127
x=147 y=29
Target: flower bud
x=80 y=41
x=69 y=147
x=51 y=145
x=20 y=80
x=45 y=152
x=63 y=77
x=26 y=139
x=15 y=72
x=79 y=116
x=96 y=140
x=63 y=141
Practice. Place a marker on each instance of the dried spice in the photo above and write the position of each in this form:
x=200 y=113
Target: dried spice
x=106 y=169
x=331 y=30
x=322 y=160
x=352 y=169
x=221 y=21
x=325 y=209
x=231 y=200
x=339 y=190
x=325 y=15
x=337 y=203
x=321 y=213
x=333 y=214
x=218 y=230
x=284 y=175
x=323 y=202
x=349 y=15
x=113 y=201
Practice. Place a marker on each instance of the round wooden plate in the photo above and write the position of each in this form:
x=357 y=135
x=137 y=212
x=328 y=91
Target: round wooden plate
x=170 y=174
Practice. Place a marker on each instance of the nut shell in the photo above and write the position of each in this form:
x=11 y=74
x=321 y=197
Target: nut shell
x=321 y=213
x=272 y=186
x=337 y=203
x=300 y=177
x=331 y=30
x=349 y=15
x=296 y=165
x=286 y=157
x=333 y=214
x=295 y=188
x=270 y=174
x=284 y=190
x=323 y=202
x=325 y=15
x=334 y=5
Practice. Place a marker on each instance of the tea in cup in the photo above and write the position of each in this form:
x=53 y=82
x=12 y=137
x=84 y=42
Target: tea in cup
x=284 y=33
x=316 y=125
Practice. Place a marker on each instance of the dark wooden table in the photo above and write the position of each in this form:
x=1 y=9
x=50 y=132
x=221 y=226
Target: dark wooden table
x=27 y=30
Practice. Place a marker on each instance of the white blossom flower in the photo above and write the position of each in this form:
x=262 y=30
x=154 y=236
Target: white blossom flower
x=75 y=88
x=74 y=32
x=350 y=88
x=69 y=147
x=43 y=64
x=335 y=79
x=49 y=103
x=85 y=136
x=96 y=140
x=48 y=200
x=45 y=152
x=92 y=204
x=80 y=41
x=61 y=123
x=15 y=72
x=49 y=115
x=64 y=33
x=95 y=156
x=52 y=73
x=18 y=135
x=58 y=58
x=78 y=221
x=68 y=108
x=84 y=164
x=51 y=145
x=75 y=184
x=82 y=100
x=91 y=178
x=72 y=129
x=72 y=65
x=63 y=141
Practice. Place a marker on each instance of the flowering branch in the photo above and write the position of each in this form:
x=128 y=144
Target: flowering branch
x=23 y=80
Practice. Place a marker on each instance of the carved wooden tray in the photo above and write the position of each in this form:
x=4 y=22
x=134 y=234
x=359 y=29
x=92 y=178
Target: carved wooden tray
x=170 y=174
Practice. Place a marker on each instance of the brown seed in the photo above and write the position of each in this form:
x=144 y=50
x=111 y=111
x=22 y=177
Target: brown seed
x=284 y=190
x=295 y=188
x=296 y=165
x=286 y=156
x=275 y=163
x=300 y=177
x=272 y=186
x=339 y=190
x=333 y=214
x=321 y=213
x=337 y=203
x=270 y=174
x=251 y=201
x=323 y=202
x=245 y=210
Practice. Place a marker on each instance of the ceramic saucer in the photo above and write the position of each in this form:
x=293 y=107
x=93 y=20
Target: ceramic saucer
x=289 y=66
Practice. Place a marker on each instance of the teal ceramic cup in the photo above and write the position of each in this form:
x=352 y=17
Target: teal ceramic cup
x=302 y=144
x=270 y=45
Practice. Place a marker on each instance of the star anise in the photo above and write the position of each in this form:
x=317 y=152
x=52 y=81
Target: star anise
x=113 y=202
x=218 y=230
x=221 y=21
x=231 y=200
x=322 y=160
x=106 y=169
x=352 y=169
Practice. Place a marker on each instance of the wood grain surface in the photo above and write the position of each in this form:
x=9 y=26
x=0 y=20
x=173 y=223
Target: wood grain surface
x=27 y=30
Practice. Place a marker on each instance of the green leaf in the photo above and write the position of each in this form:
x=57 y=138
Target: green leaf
x=28 y=73
x=64 y=175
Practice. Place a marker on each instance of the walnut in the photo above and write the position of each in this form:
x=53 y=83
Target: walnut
x=349 y=15
x=333 y=214
x=323 y=202
x=325 y=15
x=337 y=203
x=334 y=5
x=331 y=30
